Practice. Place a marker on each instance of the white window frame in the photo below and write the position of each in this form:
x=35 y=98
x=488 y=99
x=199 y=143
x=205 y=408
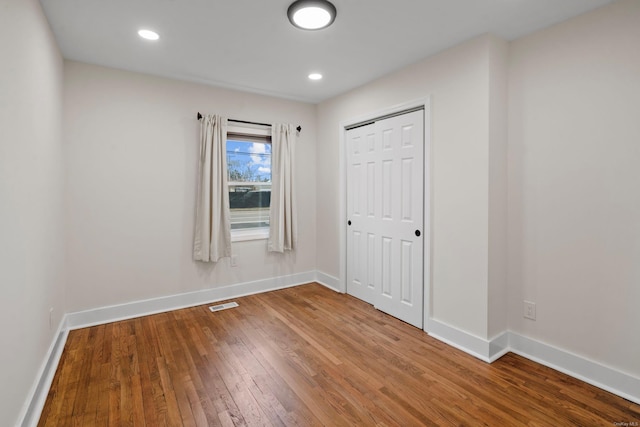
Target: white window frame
x=246 y=234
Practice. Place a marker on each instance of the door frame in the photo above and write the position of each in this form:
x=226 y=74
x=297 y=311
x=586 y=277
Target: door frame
x=427 y=240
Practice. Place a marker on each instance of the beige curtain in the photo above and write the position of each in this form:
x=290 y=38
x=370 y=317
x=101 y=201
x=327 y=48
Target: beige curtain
x=212 y=239
x=283 y=226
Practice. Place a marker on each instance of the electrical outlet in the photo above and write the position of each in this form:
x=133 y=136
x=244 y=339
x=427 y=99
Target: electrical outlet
x=530 y=310
x=234 y=260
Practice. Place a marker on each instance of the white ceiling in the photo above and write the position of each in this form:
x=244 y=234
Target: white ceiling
x=250 y=45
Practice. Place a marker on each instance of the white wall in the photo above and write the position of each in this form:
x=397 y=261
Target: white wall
x=574 y=176
x=131 y=142
x=31 y=198
x=130 y=145
x=458 y=82
x=498 y=286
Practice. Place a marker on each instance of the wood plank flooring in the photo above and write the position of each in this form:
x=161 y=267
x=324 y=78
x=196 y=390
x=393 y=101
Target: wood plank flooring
x=304 y=356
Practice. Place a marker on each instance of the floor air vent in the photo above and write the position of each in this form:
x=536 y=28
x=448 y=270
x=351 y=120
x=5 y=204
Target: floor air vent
x=223 y=306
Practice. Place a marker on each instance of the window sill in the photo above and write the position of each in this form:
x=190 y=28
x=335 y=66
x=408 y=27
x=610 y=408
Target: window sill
x=249 y=234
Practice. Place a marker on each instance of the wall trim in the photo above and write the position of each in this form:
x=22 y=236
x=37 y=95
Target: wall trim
x=612 y=380
x=328 y=281
x=485 y=350
x=619 y=383
x=130 y=310
x=32 y=408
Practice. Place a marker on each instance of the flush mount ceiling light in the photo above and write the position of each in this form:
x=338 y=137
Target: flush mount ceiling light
x=311 y=14
x=315 y=76
x=148 y=34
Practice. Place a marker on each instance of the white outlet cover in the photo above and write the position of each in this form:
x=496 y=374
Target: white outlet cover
x=529 y=310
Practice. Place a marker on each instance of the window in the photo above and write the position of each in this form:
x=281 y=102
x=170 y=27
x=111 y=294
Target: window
x=249 y=168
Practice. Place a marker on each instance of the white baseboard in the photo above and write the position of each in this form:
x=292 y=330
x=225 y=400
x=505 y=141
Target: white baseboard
x=32 y=408
x=134 y=309
x=30 y=414
x=594 y=373
x=589 y=371
x=485 y=350
x=328 y=281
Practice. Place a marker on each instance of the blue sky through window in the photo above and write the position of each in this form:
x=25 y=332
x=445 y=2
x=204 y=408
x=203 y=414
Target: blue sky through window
x=248 y=161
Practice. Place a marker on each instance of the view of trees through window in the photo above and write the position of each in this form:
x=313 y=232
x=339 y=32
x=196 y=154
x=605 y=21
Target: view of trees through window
x=249 y=168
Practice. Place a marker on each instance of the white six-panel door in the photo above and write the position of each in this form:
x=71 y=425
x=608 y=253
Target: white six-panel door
x=385 y=180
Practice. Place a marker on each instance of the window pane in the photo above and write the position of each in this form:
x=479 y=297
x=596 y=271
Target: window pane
x=249 y=166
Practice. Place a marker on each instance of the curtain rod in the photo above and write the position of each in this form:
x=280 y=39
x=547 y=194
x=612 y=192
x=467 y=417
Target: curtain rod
x=299 y=128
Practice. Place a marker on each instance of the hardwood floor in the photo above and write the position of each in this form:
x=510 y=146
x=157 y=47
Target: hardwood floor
x=304 y=356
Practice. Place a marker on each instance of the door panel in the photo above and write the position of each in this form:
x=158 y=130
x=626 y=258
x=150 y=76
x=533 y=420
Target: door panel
x=359 y=251
x=385 y=167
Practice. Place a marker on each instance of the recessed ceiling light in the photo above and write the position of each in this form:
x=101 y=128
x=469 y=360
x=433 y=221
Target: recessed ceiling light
x=315 y=76
x=148 y=34
x=311 y=14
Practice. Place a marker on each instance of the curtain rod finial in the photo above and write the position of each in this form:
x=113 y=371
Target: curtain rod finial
x=199 y=116
x=299 y=128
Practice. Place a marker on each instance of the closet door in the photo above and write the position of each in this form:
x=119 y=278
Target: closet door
x=385 y=191
x=362 y=239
